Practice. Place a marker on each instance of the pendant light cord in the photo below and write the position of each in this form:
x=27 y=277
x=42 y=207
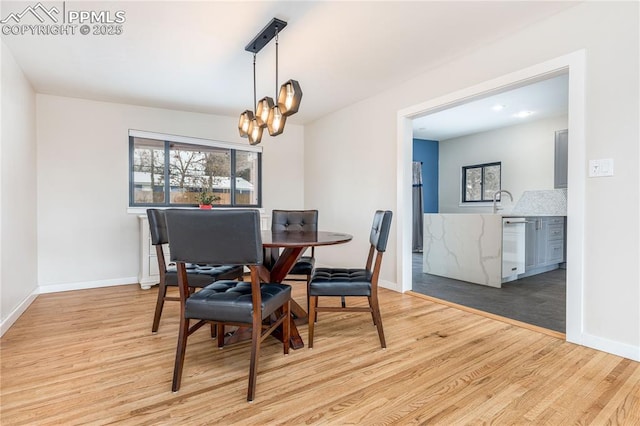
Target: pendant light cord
x=255 y=102
x=276 y=64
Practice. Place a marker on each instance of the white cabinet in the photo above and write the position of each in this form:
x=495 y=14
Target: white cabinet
x=545 y=243
x=561 y=159
x=148 y=274
x=555 y=240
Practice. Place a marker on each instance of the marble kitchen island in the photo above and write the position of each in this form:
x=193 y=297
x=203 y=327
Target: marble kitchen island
x=475 y=247
x=465 y=247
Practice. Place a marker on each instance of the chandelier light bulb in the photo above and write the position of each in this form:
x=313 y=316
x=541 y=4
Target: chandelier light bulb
x=255 y=132
x=244 y=122
x=289 y=97
x=262 y=112
x=289 y=100
x=276 y=121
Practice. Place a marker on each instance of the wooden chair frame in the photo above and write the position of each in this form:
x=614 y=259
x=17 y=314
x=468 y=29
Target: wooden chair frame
x=374 y=307
x=259 y=329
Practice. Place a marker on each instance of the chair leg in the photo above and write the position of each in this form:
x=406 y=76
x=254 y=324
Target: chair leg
x=221 y=336
x=377 y=319
x=162 y=293
x=213 y=330
x=180 y=351
x=286 y=327
x=256 y=332
x=313 y=303
x=308 y=285
x=373 y=315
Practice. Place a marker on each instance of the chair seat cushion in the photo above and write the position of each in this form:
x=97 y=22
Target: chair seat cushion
x=340 y=282
x=304 y=266
x=230 y=301
x=200 y=275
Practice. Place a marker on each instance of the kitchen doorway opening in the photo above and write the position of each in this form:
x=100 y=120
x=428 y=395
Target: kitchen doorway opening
x=479 y=131
x=574 y=65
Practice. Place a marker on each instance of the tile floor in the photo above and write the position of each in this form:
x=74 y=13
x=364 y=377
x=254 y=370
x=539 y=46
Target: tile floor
x=539 y=300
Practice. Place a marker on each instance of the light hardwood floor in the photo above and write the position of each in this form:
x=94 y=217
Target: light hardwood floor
x=88 y=357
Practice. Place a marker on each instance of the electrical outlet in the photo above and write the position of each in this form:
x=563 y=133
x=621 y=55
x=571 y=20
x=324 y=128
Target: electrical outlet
x=601 y=167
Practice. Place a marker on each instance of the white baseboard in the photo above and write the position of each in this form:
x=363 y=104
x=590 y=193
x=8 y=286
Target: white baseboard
x=390 y=285
x=616 y=348
x=19 y=310
x=55 y=288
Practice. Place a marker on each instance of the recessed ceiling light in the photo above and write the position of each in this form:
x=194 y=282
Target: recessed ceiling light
x=498 y=107
x=523 y=114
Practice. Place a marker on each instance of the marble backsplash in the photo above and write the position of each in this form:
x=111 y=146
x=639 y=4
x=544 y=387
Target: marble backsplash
x=542 y=203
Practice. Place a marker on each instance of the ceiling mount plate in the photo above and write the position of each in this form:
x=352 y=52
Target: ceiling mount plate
x=265 y=36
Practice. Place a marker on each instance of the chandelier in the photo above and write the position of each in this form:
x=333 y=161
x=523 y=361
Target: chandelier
x=267 y=112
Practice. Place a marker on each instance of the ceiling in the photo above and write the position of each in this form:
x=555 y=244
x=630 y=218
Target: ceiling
x=190 y=55
x=544 y=99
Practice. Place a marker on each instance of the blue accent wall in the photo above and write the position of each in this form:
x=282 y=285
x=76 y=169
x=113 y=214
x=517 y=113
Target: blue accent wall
x=427 y=152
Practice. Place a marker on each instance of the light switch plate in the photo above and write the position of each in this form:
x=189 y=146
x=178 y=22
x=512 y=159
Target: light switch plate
x=601 y=167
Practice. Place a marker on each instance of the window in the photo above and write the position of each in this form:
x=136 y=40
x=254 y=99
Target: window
x=480 y=182
x=167 y=171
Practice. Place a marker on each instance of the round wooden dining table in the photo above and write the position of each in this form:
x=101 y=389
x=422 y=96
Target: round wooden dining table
x=293 y=245
x=290 y=246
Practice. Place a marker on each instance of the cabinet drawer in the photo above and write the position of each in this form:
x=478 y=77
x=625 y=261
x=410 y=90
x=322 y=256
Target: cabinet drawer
x=556 y=232
x=555 y=221
x=556 y=252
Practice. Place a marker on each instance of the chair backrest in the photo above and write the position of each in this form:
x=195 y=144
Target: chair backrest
x=294 y=220
x=157 y=226
x=227 y=237
x=378 y=239
x=380 y=229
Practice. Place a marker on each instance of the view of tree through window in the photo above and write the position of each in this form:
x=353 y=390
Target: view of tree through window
x=480 y=182
x=148 y=171
x=186 y=171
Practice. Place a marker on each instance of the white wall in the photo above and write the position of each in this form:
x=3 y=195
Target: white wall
x=85 y=236
x=526 y=152
x=18 y=280
x=350 y=155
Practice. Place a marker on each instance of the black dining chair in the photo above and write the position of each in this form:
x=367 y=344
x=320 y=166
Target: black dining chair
x=200 y=275
x=362 y=282
x=230 y=237
x=297 y=221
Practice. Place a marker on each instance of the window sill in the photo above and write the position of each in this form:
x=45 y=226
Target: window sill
x=143 y=210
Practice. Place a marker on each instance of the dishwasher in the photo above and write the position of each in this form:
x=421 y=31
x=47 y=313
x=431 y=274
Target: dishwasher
x=513 y=247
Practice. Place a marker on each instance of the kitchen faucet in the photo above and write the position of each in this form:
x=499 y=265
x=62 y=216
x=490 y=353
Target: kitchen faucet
x=495 y=199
